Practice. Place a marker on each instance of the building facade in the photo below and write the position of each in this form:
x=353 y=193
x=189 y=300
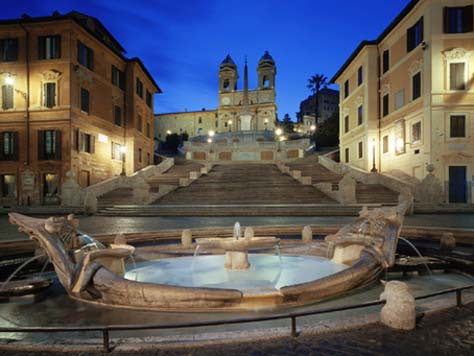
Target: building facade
x=226 y=118
x=71 y=101
x=407 y=98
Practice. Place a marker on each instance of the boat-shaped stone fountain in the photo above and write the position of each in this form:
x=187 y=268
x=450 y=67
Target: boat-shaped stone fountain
x=231 y=276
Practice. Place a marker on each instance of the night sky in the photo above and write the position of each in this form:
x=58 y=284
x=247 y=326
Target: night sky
x=182 y=42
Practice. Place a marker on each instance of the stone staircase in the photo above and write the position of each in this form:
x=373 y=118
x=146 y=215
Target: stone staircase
x=245 y=184
x=170 y=178
x=365 y=193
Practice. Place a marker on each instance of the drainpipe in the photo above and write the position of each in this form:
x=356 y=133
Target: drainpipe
x=124 y=171
x=27 y=160
x=379 y=111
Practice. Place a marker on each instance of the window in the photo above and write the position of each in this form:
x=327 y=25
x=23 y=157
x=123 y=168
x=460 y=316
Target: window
x=360 y=75
x=200 y=120
x=85 y=55
x=85 y=100
x=139 y=88
x=225 y=124
x=140 y=155
x=416 y=86
x=346 y=88
x=386 y=61
x=385 y=144
x=346 y=124
x=148 y=160
x=457 y=126
x=415 y=35
x=118 y=77
x=49 y=47
x=116 y=151
x=399 y=99
x=148 y=130
x=9 y=146
x=118 y=115
x=49 y=145
x=416 y=132
x=361 y=150
x=458 y=19
x=7 y=97
x=360 y=115
x=49 y=95
x=149 y=99
x=385 y=105
x=457 y=76
x=9 y=49
x=346 y=154
x=8 y=183
x=139 y=123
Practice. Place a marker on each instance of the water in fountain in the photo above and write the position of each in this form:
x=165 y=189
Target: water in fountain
x=418 y=253
x=236 y=231
x=19 y=269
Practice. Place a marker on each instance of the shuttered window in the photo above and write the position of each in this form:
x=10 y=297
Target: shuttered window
x=118 y=115
x=416 y=132
x=458 y=126
x=386 y=105
x=139 y=123
x=458 y=19
x=7 y=97
x=49 y=145
x=360 y=115
x=118 y=78
x=86 y=142
x=8 y=185
x=9 y=49
x=360 y=75
x=85 y=55
x=457 y=76
x=85 y=100
x=149 y=99
x=9 y=148
x=415 y=35
x=385 y=144
x=346 y=154
x=148 y=130
x=346 y=123
x=346 y=88
x=361 y=149
x=139 y=88
x=49 y=47
x=49 y=95
x=416 y=86
x=386 y=61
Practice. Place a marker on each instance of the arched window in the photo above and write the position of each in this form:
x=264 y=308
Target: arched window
x=265 y=82
x=226 y=84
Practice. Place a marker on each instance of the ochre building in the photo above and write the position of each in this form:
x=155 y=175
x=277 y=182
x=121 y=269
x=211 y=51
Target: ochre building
x=407 y=98
x=70 y=100
x=226 y=118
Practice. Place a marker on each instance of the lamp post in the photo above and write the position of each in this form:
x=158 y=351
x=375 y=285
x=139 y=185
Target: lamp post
x=230 y=125
x=265 y=122
x=374 y=169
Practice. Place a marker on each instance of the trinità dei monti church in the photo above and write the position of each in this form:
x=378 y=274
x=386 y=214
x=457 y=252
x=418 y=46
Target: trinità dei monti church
x=232 y=102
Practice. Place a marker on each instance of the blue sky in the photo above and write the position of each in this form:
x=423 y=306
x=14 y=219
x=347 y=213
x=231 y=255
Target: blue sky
x=182 y=42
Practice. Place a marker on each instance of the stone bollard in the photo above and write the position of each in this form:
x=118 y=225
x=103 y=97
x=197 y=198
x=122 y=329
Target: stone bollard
x=307 y=234
x=447 y=242
x=248 y=232
x=399 y=309
x=186 y=238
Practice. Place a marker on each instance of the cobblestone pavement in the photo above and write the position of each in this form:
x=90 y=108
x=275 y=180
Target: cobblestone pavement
x=450 y=332
x=105 y=224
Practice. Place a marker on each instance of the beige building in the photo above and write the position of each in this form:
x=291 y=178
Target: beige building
x=71 y=101
x=226 y=118
x=407 y=98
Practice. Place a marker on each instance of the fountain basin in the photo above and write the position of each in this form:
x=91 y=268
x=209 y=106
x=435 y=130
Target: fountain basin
x=266 y=273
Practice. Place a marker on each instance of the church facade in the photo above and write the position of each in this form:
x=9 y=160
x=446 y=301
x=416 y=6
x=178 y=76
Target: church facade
x=262 y=107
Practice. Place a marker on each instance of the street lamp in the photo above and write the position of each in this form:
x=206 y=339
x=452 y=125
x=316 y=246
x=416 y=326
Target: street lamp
x=374 y=169
x=312 y=128
x=230 y=124
x=9 y=80
x=278 y=131
x=168 y=132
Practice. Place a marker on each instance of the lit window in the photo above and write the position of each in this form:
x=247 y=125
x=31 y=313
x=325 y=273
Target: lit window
x=7 y=97
x=416 y=132
x=457 y=76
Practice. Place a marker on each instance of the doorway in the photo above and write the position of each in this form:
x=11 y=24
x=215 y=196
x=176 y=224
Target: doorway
x=457 y=184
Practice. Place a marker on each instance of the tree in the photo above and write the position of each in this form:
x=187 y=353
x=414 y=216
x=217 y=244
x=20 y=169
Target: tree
x=327 y=133
x=315 y=84
x=287 y=124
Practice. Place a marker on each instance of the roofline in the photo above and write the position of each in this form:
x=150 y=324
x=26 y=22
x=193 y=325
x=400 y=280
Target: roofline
x=184 y=112
x=147 y=73
x=70 y=16
x=406 y=10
